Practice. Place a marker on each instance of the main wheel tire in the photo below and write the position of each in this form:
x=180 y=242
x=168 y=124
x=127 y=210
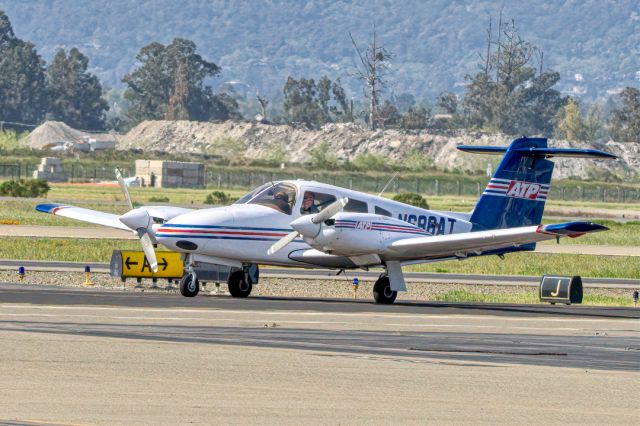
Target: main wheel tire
x=189 y=288
x=382 y=292
x=238 y=285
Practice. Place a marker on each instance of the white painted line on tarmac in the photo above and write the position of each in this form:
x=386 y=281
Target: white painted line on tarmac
x=323 y=314
x=281 y=322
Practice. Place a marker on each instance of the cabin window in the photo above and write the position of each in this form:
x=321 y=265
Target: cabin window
x=383 y=212
x=356 y=206
x=314 y=202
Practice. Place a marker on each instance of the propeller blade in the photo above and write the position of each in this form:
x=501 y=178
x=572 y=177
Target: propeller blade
x=279 y=245
x=330 y=211
x=124 y=188
x=147 y=247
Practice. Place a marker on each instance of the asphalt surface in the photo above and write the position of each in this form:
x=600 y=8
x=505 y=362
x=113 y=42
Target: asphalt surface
x=95 y=356
x=535 y=348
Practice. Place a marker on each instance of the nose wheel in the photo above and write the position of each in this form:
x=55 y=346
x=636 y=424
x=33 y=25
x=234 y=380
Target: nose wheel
x=382 y=292
x=238 y=285
x=189 y=285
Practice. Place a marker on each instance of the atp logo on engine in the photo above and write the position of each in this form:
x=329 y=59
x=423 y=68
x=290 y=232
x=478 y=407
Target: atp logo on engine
x=520 y=189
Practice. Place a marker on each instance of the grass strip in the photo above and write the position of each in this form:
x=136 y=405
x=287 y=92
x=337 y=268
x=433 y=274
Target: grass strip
x=528 y=297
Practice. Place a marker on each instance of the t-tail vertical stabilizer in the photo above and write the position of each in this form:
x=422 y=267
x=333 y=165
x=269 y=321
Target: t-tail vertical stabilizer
x=516 y=193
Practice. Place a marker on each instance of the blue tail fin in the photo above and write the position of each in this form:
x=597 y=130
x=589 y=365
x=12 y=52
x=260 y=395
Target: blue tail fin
x=516 y=193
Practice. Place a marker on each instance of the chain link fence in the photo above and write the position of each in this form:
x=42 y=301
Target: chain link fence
x=244 y=179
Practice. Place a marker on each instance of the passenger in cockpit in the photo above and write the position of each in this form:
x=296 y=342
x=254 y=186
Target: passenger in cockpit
x=309 y=203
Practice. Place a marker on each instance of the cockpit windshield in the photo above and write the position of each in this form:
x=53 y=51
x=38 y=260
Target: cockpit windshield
x=280 y=197
x=249 y=195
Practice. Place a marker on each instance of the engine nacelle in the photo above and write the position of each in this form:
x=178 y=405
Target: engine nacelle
x=355 y=234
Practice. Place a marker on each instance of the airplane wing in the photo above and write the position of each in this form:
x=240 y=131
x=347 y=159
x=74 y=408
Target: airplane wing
x=460 y=245
x=84 y=215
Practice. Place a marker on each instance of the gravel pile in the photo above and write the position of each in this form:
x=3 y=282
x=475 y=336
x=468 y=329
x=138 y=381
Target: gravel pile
x=51 y=133
x=348 y=140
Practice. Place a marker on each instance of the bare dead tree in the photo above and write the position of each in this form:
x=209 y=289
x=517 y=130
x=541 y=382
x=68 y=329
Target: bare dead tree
x=264 y=102
x=372 y=70
x=516 y=53
x=487 y=59
x=499 y=45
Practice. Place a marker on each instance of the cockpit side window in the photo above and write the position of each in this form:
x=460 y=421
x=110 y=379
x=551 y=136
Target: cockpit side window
x=280 y=197
x=314 y=202
x=383 y=212
x=356 y=206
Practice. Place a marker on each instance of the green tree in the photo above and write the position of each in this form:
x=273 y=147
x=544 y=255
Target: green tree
x=625 y=120
x=448 y=102
x=388 y=115
x=509 y=94
x=75 y=96
x=314 y=104
x=174 y=75
x=570 y=125
x=416 y=118
x=23 y=91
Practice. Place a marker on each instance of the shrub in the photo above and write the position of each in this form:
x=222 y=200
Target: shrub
x=159 y=199
x=217 y=197
x=322 y=158
x=10 y=139
x=227 y=147
x=412 y=199
x=274 y=154
x=25 y=188
x=370 y=162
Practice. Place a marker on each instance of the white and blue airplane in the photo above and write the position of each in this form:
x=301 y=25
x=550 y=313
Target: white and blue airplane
x=299 y=223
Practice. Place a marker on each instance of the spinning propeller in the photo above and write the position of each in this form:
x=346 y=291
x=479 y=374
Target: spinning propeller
x=139 y=221
x=308 y=226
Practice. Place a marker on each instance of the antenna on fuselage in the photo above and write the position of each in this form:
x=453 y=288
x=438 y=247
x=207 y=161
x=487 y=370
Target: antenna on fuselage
x=395 y=175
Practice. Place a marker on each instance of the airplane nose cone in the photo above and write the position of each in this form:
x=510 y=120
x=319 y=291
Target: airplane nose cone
x=136 y=219
x=306 y=227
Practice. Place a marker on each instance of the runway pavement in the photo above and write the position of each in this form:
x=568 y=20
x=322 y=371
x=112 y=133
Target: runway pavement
x=90 y=356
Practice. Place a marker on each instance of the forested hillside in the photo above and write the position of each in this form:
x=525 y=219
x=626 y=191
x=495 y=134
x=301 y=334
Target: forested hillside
x=434 y=44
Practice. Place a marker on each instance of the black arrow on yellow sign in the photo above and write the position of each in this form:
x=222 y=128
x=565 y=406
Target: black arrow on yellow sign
x=128 y=263
x=164 y=264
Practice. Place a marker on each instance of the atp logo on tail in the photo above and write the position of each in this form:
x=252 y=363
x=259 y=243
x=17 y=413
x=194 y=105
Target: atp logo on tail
x=517 y=189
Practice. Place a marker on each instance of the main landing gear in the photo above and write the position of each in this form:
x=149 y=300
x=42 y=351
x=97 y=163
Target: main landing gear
x=238 y=284
x=382 y=292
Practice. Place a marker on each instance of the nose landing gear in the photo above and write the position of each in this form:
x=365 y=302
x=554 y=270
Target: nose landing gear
x=189 y=285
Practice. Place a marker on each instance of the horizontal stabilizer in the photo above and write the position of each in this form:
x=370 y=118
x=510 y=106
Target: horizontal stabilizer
x=539 y=152
x=572 y=228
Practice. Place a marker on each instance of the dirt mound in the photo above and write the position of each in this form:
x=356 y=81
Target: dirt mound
x=51 y=133
x=347 y=141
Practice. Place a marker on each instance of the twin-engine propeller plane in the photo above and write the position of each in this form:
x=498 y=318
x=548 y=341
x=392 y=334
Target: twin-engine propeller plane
x=313 y=225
